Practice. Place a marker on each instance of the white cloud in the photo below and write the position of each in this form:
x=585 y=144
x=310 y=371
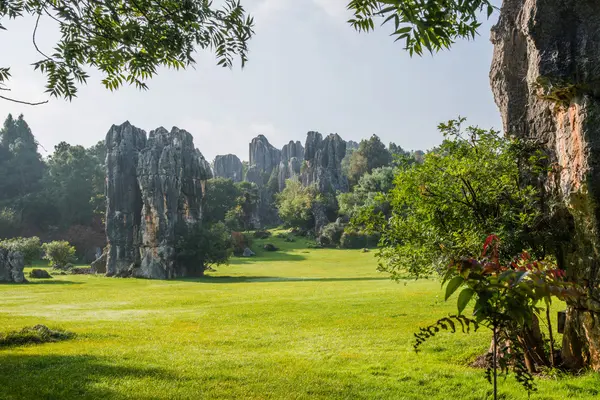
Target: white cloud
x=336 y=9
x=268 y=9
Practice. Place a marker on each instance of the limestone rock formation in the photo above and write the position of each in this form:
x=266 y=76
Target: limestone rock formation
x=123 y=198
x=263 y=155
x=155 y=188
x=170 y=173
x=292 y=156
x=11 y=266
x=228 y=166
x=98 y=266
x=323 y=159
x=546 y=81
x=263 y=170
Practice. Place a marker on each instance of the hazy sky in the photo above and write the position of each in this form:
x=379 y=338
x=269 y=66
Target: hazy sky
x=308 y=70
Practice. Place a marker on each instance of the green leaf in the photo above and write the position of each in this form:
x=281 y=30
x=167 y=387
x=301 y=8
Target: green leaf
x=453 y=285
x=463 y=299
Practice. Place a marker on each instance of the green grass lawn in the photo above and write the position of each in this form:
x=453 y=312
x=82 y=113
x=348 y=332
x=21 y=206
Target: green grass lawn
x=295 y=324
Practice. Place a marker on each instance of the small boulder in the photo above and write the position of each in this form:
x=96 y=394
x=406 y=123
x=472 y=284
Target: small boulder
x=270 y=247
x=39 y=274
x=248 y=253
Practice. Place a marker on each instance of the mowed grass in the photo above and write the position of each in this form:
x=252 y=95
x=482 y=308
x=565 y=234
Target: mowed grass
x=296 y=324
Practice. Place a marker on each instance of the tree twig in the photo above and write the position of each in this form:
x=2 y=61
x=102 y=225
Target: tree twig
x=24 y=102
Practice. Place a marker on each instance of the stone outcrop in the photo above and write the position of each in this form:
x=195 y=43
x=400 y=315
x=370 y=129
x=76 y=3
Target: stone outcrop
x=228 y=166
x=263 y=170
x=264 y=157
x=171 y=173
x=292 y=156
x=123 y=198
x=546 y=81
x=98 y=266
x=155 y=190
x=11 y=266
x=323 y=158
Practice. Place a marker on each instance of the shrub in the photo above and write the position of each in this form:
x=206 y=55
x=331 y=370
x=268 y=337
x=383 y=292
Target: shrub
x=59 y=254
x=240 y=242
x=204 y=245
x=33 y=335
x=31 y=248
x=331 y=234
x=262 y=234
x=295 y=204
x=353 y=240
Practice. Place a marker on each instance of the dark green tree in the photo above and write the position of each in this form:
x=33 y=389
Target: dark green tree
x=127 y=41
x=240 y=216
x=70 y=182
x=471 y=187
x=221 y=196
x=295 y=205
x=370 y=154
x=97 y=156
x=21 y=166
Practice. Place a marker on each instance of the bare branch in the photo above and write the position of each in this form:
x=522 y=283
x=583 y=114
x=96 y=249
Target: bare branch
x=37 y=21
x=23 y=102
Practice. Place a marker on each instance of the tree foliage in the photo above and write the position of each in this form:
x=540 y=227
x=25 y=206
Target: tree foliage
x=369 y=195
x=295 y=204
x=221 y=196
x=30 y=248
x=470 y=187
x=240 y=216
x=431 y=25
x=127 y=41
x=370 y=154
x=204 y=245
x=59 y=253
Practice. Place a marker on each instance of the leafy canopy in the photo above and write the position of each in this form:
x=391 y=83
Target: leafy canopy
x=431 y=25
x=470 y=187
x=128 y=40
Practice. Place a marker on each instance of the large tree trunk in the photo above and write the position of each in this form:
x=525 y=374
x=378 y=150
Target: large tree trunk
x=546 y=81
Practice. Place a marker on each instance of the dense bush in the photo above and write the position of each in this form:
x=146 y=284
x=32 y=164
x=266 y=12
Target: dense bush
x=31 y=248
x=59 y=254
x=477 y=183
x=240 y=242
x=203 y=245
x=331 y=234
x=295 y=204
x=352 y=239
x=221 y=196
x=260 y=234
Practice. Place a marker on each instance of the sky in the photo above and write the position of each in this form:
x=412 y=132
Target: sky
x=308 y=70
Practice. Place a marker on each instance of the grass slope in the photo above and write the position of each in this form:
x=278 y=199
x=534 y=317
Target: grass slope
x=295 y=324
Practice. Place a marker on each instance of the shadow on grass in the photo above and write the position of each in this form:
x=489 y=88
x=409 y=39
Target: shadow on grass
x=41 y=282
x=71 y=377
x=261 y=279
